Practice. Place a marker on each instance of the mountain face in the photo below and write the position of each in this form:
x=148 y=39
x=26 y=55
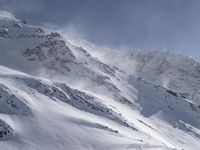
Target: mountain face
x=172 y=71
x=56 y=94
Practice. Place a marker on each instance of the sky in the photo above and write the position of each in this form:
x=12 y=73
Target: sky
x=168 y=25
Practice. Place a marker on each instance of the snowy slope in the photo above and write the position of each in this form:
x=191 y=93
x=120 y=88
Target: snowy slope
x=176 y=72
x=58 y=95
x=31 y=50
x=173 y=71
x=40 y=114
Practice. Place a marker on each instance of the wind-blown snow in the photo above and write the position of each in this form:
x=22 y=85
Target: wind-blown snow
x=58 y=95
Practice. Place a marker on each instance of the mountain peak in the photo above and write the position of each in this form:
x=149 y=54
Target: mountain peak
x=7 y=16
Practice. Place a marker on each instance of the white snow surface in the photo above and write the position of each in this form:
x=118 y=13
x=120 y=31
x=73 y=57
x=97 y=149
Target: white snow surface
x=61 y=95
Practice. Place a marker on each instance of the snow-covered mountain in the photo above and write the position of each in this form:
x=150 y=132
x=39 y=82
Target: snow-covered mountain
x=56 y=94
x=173 y=71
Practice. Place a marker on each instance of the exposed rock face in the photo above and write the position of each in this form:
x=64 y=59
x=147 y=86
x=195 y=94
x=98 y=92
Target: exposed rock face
x=53 y=53
x=10 y=103
x=6 y=132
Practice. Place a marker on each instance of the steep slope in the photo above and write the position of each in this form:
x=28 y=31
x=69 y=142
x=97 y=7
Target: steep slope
x=31 y=50
x=173 y=71
x=76 y=97
x=156 y=119
x=21 y=42
x=60 y=117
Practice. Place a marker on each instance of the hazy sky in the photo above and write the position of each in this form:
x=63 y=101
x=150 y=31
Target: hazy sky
x=172 y=25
